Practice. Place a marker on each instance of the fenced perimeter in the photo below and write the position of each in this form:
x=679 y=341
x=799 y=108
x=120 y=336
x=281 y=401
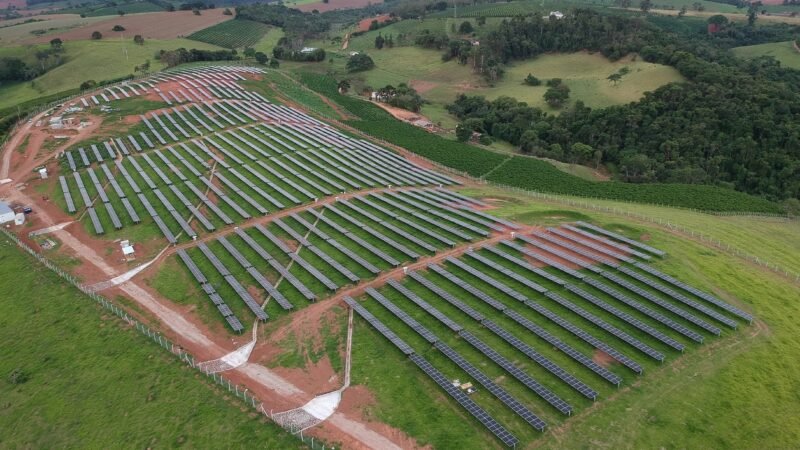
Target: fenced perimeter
x=166 y=344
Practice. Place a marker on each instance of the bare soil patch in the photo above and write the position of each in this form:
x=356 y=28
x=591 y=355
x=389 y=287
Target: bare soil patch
x=365 y=23
x=602 y=358
x=423 y=86
x=336 y=4
x=157 y=25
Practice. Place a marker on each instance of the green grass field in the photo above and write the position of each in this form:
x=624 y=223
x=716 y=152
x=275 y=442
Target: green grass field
x=784 y=52
x=90 y=60
x=440 y=82
x=693 y=400
x=232 y=33
x=96 y=382
x=17 y=34
x=586 y=75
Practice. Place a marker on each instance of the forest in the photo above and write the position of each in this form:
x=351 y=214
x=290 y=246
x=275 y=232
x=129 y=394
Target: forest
x=734 y=123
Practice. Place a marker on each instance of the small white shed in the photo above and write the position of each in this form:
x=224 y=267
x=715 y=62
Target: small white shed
x=6 y=213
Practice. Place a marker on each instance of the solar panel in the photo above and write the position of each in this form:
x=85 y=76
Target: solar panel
x=378 y=325
x=234 y=252
x=625 y=317
x=703 y=295
x=335 y=264
x=131 y=211
x=113 y=215
x=193 y=269
x=253 y=244
x=621 y=238
x=67 y=195
x=587 y=243
x=271 y=290
x=602 y=324
x=666 y=305
x=604 y=241
x=560 y=253
x=164 y=229
x=541 y=360
x=578 y=332
x=425 y=305
x=98 y=228
x=391 y=242
x=517 y=373
x=500 y=393
x=246 y=297
x=476 y=411
x=679 y=297
x=524 y=264
x=213 y=259
x=466 y=309
x=541 y=258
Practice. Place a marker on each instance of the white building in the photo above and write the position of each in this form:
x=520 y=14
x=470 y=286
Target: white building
x=6 y=213
x=556 y=14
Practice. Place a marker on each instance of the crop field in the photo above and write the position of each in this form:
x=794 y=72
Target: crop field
x=77 y=359
x=232 y=34
x=784 y=52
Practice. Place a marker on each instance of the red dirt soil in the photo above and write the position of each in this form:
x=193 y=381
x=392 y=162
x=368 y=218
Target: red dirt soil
x=157 y=25
x=336 y=4
x=365 y=23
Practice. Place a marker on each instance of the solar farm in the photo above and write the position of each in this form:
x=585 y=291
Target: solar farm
x=269 y=210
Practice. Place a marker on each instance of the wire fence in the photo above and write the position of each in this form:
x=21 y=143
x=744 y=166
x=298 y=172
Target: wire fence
x=176 y=350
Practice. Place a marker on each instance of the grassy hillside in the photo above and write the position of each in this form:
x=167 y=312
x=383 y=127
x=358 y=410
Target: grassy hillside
x=782 y=51
x=586 y=76
x=94 y=382
x=90 y=60
x=693 y=400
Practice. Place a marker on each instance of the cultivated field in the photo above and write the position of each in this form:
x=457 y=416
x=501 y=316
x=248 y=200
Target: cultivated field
x=157 y=25
x=309 y=6
x=232 y=34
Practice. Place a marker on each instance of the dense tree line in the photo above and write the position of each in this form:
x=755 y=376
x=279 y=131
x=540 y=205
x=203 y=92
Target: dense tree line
x=734 y=123
x=173 y=58
x=294 y=22
x=402 y=96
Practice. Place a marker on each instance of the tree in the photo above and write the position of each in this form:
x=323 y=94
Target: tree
x=274 y=63
x=56 y=44
x=227 y=12
x=614 y=78
x=389 y=41
x=196 y=12
x=261 y=57
x=481 y=21
x=17 y=376
x=531 y=80
x=120 y=12
x=88 y=84
x=645 y=6
x=96 y=35
x=249 y=52
x=553 y=82
x=556 y=96
x=379 y=41
x=359 y=62
x=682 y=12
x=144 y=68
x=465 y=27
x=118 y=28
x=138 y=39
x=344 y=86
x=581 y=152
x=752 y=13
